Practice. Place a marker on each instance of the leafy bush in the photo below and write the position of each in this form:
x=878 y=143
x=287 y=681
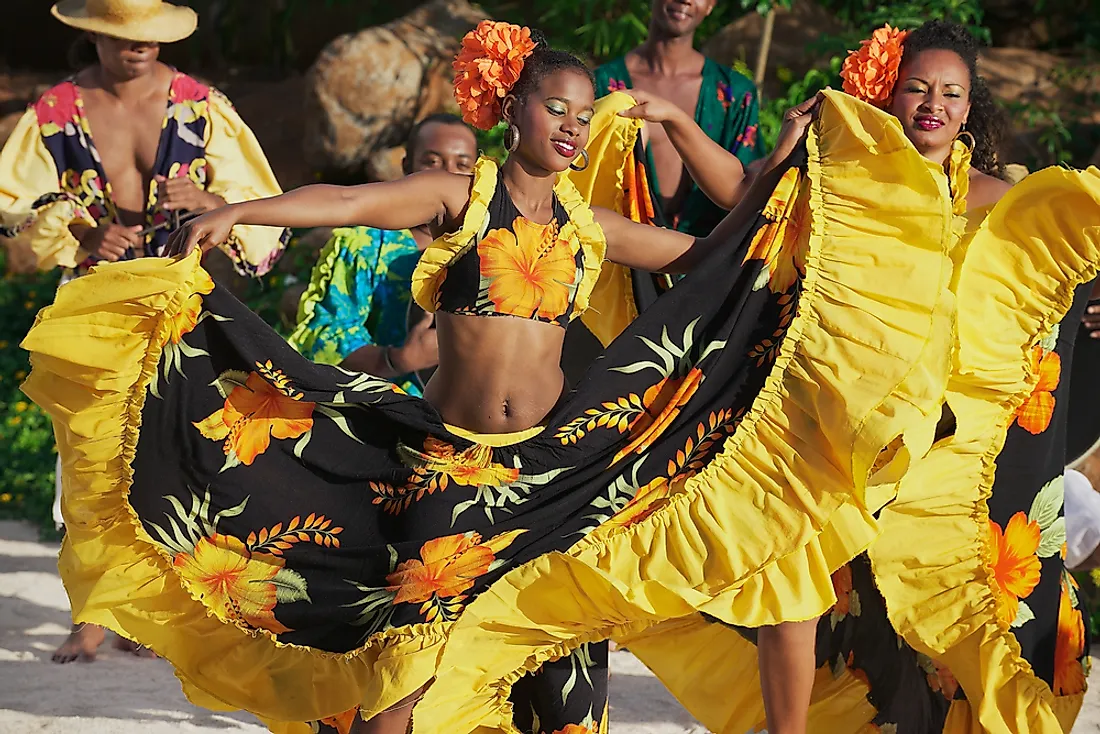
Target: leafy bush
x=27 y=453
x=798 y=91
x=864 y=15
x=597 y=29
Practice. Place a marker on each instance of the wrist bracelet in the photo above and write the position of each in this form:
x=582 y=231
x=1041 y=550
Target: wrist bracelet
x=389 y=360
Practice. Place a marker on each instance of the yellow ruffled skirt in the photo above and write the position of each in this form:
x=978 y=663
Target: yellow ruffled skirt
x=300 y=541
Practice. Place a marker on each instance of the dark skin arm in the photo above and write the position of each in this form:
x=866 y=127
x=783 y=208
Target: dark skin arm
x=409 y=202
x=420 y=351
x=654 y=249
x=718 y=173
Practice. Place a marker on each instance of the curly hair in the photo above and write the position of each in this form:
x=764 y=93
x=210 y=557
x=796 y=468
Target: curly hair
x=543 y=62
x=987 y=122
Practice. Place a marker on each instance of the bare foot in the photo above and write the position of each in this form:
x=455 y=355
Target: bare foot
x=81 y=644
x=121 y=643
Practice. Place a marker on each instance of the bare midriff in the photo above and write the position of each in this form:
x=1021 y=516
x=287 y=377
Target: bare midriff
x=496 y=374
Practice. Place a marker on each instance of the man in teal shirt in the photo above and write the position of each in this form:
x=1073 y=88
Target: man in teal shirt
x=724 y=104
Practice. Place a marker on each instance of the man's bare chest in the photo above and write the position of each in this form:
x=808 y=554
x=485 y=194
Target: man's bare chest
x=683 y=91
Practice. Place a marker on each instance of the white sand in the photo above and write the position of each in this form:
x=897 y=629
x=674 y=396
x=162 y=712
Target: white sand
x=121 y=694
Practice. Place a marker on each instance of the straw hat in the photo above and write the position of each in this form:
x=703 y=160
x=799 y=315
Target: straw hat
x=132 y=20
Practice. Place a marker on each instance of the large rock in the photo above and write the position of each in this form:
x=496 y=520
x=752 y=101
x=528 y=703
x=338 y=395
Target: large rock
x=367 y=89
x=791 y=51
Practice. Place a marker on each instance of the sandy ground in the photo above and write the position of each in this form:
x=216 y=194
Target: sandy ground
x=120 y=694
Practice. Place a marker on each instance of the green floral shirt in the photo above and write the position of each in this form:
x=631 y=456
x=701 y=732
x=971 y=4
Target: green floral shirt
x=728 y=111
x=358 y=295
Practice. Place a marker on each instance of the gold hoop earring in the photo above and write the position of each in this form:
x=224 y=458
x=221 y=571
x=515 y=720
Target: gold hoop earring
x=511 y=138
x=573 y=165
x=964 y=132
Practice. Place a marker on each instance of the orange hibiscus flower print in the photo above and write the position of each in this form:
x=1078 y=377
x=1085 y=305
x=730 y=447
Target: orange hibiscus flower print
x=842 y=587
x=943 y=680
x=662 y=404
x=783 y=242
x=256 y=412
x=342 y=723
x=644 y=503
x=188 y=317
x=1016 y=565
x=446 y=568
x=1035 y=414
x=234 y=580
x=472 y=467
x=1069 y=673
x=593 y=728
x=531 y=271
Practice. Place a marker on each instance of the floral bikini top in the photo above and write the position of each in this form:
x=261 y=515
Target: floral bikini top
x=502 y=264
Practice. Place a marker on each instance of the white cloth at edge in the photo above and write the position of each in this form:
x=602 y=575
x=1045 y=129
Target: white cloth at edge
x=1082 y=518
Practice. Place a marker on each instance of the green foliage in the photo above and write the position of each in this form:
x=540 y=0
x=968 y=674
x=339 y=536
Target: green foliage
x=866 y=15
x=491 y=142
x=600 y=29
x=267 y=296
x=27 y=453
x=1061 y=123
x=798 y=91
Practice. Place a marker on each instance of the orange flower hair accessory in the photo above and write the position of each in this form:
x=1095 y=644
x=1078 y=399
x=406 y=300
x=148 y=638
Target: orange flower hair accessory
x=871 y=71
x=487 y=67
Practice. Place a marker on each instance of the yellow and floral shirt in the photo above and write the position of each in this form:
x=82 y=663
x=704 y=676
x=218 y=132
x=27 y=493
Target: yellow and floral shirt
x=501 y=263
x=51 y=176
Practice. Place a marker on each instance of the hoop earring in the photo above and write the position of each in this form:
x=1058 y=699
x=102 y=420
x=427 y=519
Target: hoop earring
x=964 y=132
x=573 y=165
x=511 y=138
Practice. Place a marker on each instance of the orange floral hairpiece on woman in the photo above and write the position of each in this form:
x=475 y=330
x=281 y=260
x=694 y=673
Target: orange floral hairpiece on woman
x=487 y=67
x=871 y=71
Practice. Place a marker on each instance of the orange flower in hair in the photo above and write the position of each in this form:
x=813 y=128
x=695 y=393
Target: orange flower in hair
x=487 y=67
x=871 y=71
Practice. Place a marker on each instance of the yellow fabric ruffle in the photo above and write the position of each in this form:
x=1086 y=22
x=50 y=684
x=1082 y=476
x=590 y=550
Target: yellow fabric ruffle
x=27 y=171
x=753 y=538
x=712 y=670
x=1015 y=283
x=239 y=171
x=94 y=352
x=431 y=270
x=610 y=142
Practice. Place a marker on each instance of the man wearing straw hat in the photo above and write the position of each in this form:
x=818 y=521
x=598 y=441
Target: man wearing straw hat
x=107 y=163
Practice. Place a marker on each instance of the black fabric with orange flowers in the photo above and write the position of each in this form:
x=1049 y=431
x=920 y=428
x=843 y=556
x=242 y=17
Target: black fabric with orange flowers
x=517 y=267
x=326 y=506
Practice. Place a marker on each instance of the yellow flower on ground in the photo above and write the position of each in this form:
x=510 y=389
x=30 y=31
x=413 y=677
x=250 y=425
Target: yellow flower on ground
x=21 y=406
x=1016 y=565
x=5 y=497
x=253 y=414
x=531 y=271
x=234 y=580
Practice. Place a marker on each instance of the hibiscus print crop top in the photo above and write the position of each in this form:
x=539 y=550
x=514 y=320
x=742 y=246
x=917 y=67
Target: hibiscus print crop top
x=502 y=264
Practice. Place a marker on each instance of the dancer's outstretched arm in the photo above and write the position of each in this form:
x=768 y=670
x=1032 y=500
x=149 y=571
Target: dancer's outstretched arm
x=719 y=173
x=645 y=247
x=428 y=196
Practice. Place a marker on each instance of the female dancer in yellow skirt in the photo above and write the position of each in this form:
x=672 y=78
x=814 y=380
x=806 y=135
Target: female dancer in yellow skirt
x=961 y=616
x=301 y=541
